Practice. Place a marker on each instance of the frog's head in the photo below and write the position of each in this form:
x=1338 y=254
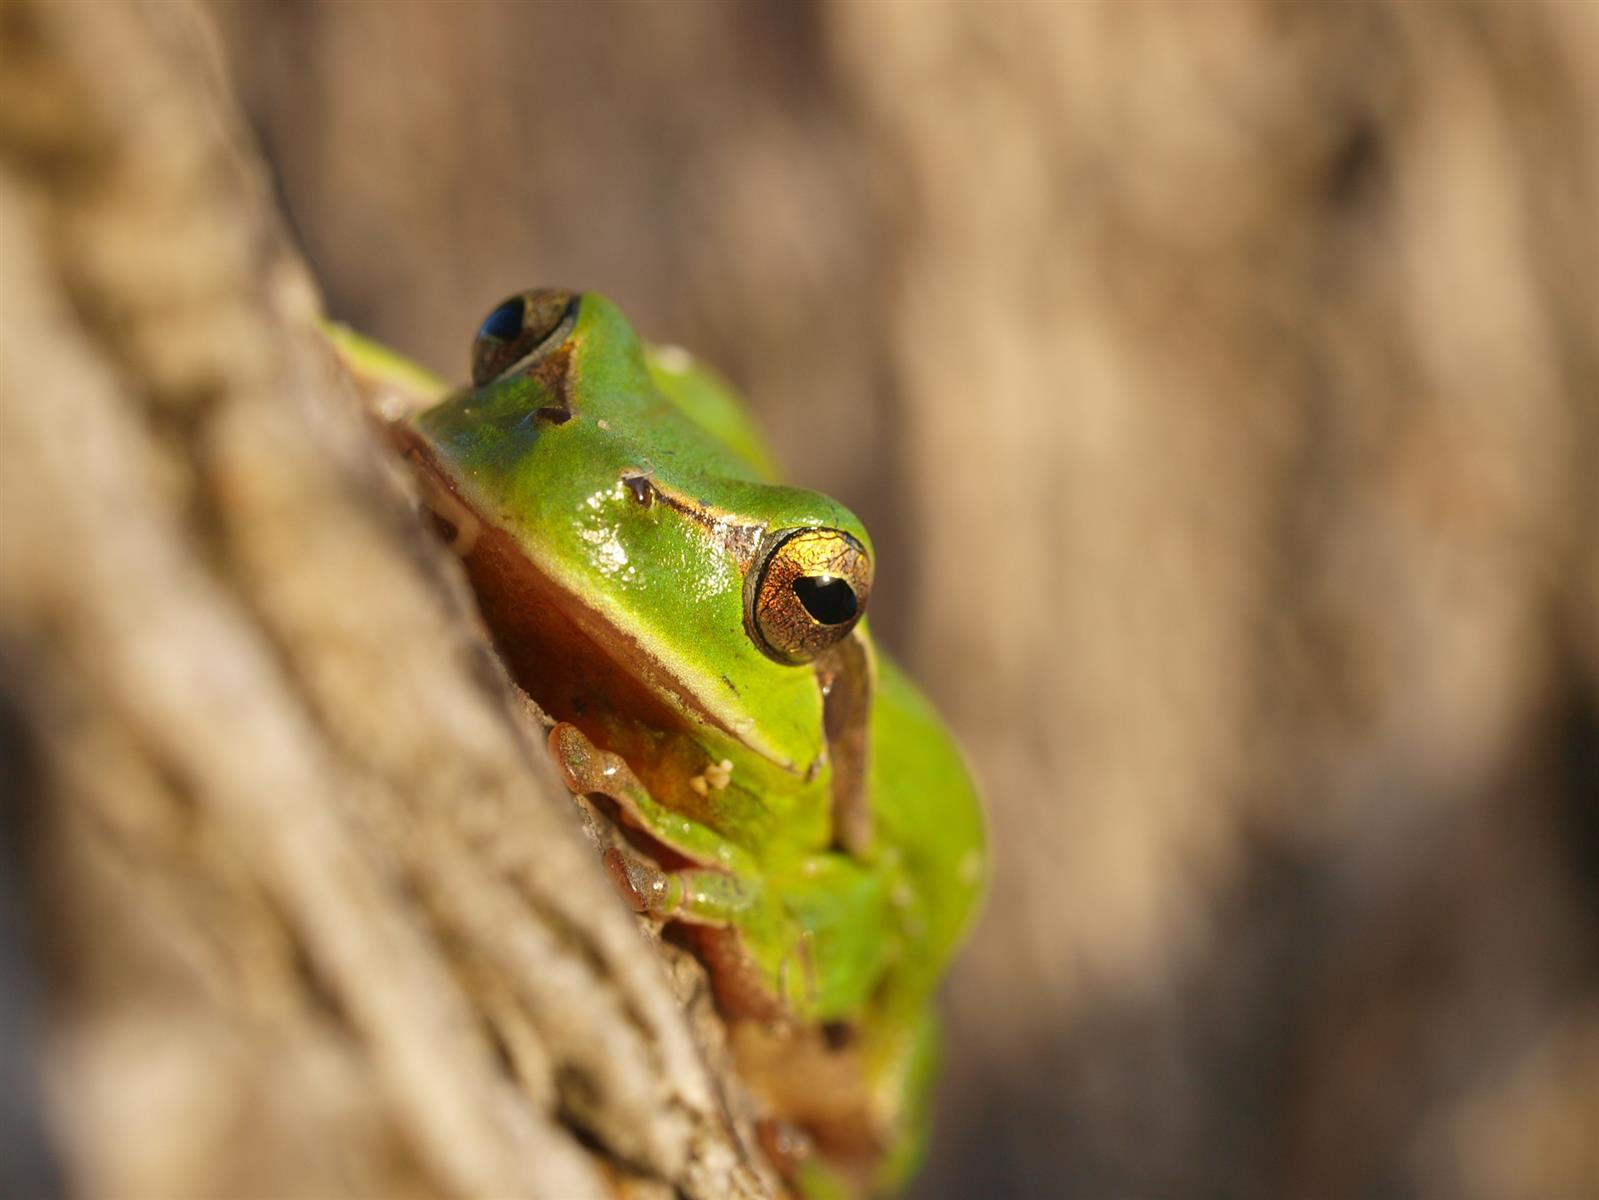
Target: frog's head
x=625 y=537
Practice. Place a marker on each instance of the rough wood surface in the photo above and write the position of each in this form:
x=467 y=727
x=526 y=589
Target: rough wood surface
x=1219 y=384
x=315 y=916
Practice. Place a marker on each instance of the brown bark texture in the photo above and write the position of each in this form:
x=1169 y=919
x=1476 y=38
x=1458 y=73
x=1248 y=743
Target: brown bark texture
x=1221 y=386
x=305 y=912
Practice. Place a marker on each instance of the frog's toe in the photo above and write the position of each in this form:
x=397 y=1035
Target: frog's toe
x=643 y=885
x=698 y=897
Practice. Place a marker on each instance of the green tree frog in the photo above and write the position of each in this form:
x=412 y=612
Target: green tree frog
x=695 y=630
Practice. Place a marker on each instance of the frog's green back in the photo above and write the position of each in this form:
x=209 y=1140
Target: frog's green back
x=710 y=402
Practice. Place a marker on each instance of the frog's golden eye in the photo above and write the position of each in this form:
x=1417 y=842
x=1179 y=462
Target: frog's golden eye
x=810 y=589
x=526 y=325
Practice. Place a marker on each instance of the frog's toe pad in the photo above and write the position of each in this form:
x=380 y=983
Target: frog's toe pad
x=643 y=885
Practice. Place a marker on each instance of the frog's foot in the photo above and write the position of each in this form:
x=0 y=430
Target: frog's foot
x=825 y=1136
x=901 y=1062
x=814 y=1076
x=588 y=770
x=815 y=1177
x=697 y=896
x=719 y=900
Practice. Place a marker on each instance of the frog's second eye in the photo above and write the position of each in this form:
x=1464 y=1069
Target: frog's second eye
x=527 y=324
x=809 y=591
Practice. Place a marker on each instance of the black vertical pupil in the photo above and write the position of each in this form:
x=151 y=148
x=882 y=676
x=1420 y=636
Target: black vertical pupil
x=504 y=324
x=827 y=598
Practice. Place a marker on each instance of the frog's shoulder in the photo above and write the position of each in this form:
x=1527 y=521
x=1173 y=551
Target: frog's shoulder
x=708 y=400
x=391 y=385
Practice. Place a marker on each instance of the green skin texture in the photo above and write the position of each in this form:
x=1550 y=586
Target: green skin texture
x=839 y=937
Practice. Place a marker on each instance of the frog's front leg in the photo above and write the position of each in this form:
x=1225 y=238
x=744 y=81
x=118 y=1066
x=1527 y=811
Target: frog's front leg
x=588 y=770
x=747 y=937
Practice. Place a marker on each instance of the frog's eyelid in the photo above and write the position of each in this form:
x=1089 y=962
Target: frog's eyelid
x=517 y=320
x=554 y=339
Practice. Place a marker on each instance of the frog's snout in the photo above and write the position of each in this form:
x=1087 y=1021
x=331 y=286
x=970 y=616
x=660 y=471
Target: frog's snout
x=807 y=593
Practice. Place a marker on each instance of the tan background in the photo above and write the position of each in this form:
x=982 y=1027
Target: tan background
x=1219 y=383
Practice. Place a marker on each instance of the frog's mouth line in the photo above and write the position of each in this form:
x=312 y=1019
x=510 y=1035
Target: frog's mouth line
x=562 y=651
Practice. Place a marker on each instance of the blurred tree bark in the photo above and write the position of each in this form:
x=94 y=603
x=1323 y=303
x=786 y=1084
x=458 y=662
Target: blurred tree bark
x=302 y=910
x=1254 y=357
x=1220 y=385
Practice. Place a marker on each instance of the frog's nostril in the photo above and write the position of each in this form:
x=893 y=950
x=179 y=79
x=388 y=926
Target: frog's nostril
x=827 y=598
